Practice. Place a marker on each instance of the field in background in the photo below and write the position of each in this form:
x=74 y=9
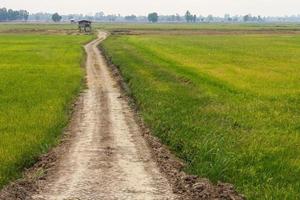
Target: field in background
x=155 y=27
x=227 y=104
x=39 y=77
x=23 y=27
x=201 y=26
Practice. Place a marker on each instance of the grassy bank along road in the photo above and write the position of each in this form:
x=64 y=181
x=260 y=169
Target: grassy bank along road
x=228 y=105
x=39 y=77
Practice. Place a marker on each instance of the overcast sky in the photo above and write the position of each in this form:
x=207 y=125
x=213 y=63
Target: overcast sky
x=142 y=7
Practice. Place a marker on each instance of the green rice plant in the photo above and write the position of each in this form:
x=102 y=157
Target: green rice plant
x=39 y=77
x=226 y=104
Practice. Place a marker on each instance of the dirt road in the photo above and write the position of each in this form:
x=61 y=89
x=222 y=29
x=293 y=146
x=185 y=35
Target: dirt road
x=107 y=157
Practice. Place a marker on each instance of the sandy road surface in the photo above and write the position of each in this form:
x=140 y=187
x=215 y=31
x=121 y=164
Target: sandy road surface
x=108 y=157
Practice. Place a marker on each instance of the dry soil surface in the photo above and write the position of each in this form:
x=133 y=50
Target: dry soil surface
x=108 y=157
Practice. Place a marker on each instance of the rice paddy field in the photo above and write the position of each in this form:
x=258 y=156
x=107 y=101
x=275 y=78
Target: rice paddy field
x=39 y=77
x=199 y=26
x=226 y=104
x=33 y=27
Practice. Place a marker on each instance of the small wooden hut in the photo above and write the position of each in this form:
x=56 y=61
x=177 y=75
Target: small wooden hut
x=85 y=26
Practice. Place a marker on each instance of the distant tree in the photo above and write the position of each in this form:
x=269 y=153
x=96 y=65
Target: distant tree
x=10 y=15
x=56 y=17
x=210 y=18
x=247 y=18
x=194 y=18
x=111 y=18
x=235 y=18
x=153 y=17
x=201 y=18
x=3 y=14
x=189 y=17
x=24 y=14
x=88 y=17
x=178 y=17
x=172 y=18
x=99 y=16
x=227 y=17
x=130 y=18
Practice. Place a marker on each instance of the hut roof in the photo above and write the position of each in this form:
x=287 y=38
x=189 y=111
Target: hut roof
x=84 y=22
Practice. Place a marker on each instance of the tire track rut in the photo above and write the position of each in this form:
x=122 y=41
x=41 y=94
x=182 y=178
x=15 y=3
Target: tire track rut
x=107 y=158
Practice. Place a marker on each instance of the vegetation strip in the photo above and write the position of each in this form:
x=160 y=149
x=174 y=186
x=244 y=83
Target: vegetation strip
x=231 y=118
x=39 y=77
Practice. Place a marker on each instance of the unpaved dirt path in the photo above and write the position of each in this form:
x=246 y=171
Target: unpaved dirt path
x=107 y=157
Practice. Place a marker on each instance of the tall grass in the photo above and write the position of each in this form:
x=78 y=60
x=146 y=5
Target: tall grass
x=39 y=77
x=228 y=105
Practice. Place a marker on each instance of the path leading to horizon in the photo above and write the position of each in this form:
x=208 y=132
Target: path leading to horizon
x=107 y=157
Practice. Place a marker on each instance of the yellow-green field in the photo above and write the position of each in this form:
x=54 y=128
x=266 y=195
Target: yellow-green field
x=227 y=104
x=24 y=27
x=17 y=27
x=39 y=77
x=199 y=26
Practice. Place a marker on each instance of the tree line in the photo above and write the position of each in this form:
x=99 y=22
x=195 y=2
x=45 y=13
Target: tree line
x=13 y=15
x=154 y=17
x=193 y=18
